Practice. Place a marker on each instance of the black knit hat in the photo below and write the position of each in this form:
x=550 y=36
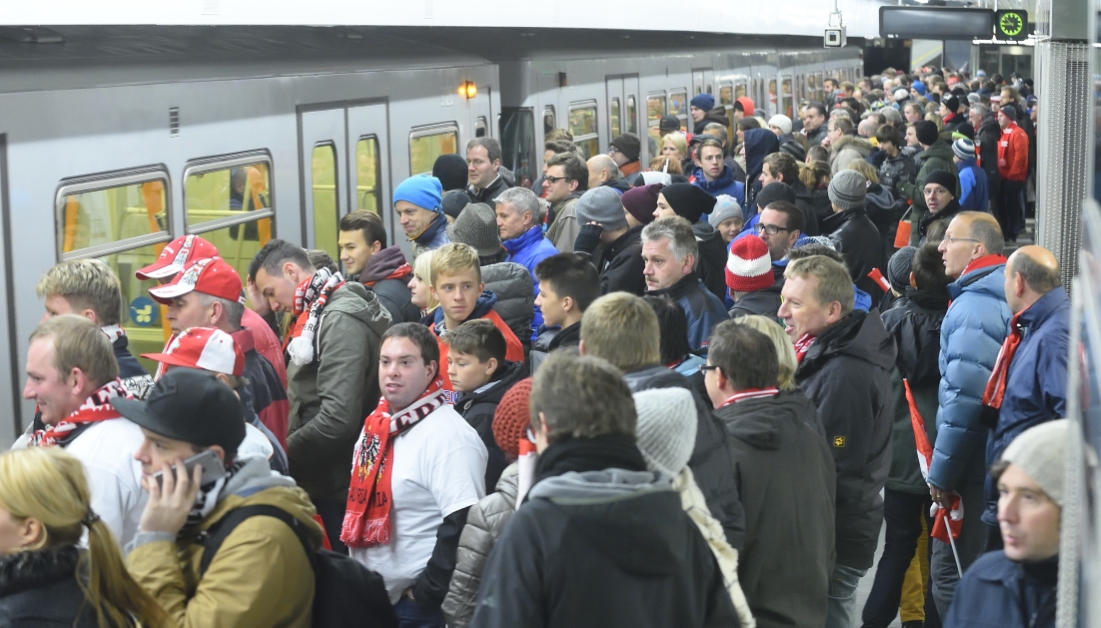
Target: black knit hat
x=795 y=149
x=629 y=145
x=926 y=132
x=454 y=201
x=688 y=201
x=775 y=191
x=944 y=178
x=451 y=171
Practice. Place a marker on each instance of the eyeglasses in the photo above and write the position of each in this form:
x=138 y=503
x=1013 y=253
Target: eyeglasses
x=612 y=150
x=770 y=229
x=950 y=240
x=704 y=368
x=553 y=180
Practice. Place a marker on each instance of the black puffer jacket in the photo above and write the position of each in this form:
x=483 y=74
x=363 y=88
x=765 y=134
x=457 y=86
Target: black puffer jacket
x=856 y=237
x=804 y=200
x=987 y=137
x=38 y=589
x=896 y=169
x=712 y=460
x=620 y=264
x=846 y=373
x=478 y=408
x=515 y=290
x=712 y=259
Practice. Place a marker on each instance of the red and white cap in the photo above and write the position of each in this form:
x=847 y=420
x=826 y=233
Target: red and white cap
x=203 y=348
x=176 y=255
x=213 y=276
x=749 y=266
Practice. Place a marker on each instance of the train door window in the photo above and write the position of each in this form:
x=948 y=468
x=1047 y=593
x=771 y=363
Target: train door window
x=726 y=100
x=584 y=129
x=549 y=122
x=426 y=145
x=772 y=95
x=786 y=95
x=614 y=118
x=326 y=207
x=518 y=144
x=632 y=115
x=739 y=89
x=708 y=88
x=124 y=221
x=480 y=127
x=655 y=111
x=368 y=173
x=678 y=106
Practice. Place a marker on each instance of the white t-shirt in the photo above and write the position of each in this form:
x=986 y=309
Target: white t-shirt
x=439 y=468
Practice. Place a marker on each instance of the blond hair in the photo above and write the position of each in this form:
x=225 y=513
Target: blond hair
x=87 y=284
x=422 y=269
x=623 y=329
x=454 y=258
x=664 y=164
x=49 y=485
x=785 y=352
x=834 y=283
x=79 y=344
x=864 y=168
x=679 y=141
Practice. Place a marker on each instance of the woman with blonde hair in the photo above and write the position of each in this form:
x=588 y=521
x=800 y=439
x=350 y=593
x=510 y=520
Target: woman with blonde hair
x=784 y=349
x=46 y=578
x=420 y=283
x=675 y=146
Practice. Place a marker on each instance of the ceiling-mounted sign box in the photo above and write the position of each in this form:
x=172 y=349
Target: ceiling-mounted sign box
x=937 y=23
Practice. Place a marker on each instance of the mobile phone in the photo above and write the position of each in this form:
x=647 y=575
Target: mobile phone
x=213 y=469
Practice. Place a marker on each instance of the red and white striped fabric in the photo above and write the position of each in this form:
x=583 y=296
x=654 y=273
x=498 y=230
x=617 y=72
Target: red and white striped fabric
x=751 y=393
x=941 y=528
x=749 y=265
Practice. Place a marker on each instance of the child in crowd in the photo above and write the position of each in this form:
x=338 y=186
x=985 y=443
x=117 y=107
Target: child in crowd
x=727 y=217
x=481 y=375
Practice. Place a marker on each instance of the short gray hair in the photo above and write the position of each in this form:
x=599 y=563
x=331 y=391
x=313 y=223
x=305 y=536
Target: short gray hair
x=682 y=240
x=234 y=309
x=981 y=109
x=524 y=200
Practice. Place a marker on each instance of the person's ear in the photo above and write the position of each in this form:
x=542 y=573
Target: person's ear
x=573 y=186
x=76 y=380
x=31 y=533
x=581 y=347
x=216 y=311
x=543 y=429
x=376 y=247
x=567 y=304
x=219 y=451
x=90 y=315
x=834 y=314
x=913 y=280
x=491 y=366
x=721 y=379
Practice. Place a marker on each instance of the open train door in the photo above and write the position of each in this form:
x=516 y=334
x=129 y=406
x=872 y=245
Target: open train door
x=12 y=379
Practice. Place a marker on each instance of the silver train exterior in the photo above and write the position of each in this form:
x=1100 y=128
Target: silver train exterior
x=115 y=140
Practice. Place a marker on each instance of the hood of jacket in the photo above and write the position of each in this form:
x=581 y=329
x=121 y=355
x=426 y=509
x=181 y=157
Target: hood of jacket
x=859 y=335
x=366 y=309
x=725 y=179
x=937 y=150
x=511 y=372
x=481 y=308
x=710 y=243
x=759 y=143
x=761 y=422
x=981 y=282
x=914 y=321
x=879 y=196
x=382 y=264
x=852 y=142
x=610 y=509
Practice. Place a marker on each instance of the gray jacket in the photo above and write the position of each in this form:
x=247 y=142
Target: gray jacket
x=484 y=524
x=515 y=290
x=330 y=396
x=563 y=231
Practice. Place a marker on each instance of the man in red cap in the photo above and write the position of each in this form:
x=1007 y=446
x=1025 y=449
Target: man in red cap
x=208 y=294
x=213 y=350
x=180 y=252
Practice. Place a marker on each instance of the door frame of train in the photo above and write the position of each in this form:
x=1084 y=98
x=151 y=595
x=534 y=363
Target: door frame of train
x=621 y=86
x=9 y=343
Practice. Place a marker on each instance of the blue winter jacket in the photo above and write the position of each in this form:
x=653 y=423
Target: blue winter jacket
x=996 y=592
x=1036 y=390
x=528 y=250
x=725 y=184
x=970 y=338
x=703 y=309
x=974 y=191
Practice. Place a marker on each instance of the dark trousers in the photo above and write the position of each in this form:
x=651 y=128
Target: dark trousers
x=410 y=615
x=1011 y=200
x=902 y=512
x=332 y=515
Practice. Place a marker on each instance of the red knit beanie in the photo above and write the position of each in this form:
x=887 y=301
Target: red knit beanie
x=749 y=266
x=512 y=418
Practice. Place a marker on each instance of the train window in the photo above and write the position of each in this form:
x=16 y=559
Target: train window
x=428 y=144
x=632 y=115
x=224 y=191
x=549 y=122
x=480 y=127
x=142 y=319
x=678 y=106
x=583 y=128
x=739 y=90
x=726 y=99
x=655 y=110
x=786 y=95
x=238 y=244
x=709 y=89
x=325 y=206
x=368 y=174
x=104 y=215
x=614 y=118
x=772 y=96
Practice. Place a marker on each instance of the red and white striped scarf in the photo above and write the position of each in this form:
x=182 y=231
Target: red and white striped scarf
x=751 y=393
x=309 y=302
x=97 y=407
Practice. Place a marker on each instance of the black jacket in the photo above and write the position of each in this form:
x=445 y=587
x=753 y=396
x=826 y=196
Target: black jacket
x=551 y=339
x=488 y=195
x=900 y=168
x=914 y=322
x=395 y=296
x=950 y=210
x=786 y=482
x=763 y=302
x=712 y=460
x=823 y=208
x=987 y=137
x=846 y=373
x=133 y=375
x=607 y=546
x=804 y=200
x=712 y=258
x=38 y=589
x=858 y=240
x=620 y=264
x=478 y=407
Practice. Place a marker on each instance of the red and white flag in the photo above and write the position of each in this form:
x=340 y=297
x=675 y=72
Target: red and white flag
x=954 y=512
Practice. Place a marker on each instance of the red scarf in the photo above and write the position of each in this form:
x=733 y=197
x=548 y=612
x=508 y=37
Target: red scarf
x=94 y=409
x=802 y=346
x=401 y=272
x=309 y=302
x=983 y=262
x=370 y=498
x=751 y=393
x=995 y=386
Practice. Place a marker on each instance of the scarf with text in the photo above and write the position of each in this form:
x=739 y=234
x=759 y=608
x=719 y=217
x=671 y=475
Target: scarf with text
x=994 y=393
x=94 y=409
x=370 y=498
x=802 y=346
x=309 y=302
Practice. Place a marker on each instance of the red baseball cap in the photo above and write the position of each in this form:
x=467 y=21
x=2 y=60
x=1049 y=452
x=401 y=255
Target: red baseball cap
x=176 y=255
x=213 y=276
x=203 y=348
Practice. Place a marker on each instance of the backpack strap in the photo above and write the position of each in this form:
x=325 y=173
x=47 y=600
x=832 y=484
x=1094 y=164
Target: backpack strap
x=212 y=538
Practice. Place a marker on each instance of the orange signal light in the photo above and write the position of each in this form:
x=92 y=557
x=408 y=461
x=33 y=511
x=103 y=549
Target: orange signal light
x=468 y=89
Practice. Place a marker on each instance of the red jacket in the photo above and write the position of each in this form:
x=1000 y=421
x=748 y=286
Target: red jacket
x=1013 y=153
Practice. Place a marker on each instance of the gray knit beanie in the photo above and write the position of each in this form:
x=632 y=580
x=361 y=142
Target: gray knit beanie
x=477 y=226
x=1038 y=451
x=601 y=205
x=726 y=206
x=848 y=189
x=666 y=428
x=899 y=267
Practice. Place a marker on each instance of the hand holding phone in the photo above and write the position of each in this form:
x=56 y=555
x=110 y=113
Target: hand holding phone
x=207 y=460
x=173 y=489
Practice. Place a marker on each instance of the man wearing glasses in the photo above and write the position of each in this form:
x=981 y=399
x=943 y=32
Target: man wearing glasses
x=780 y=226
x=566 y=179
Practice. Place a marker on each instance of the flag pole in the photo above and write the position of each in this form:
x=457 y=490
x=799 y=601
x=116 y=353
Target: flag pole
x=952 y=542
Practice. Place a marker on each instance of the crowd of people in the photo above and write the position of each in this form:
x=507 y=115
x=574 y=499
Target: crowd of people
x=686 y=394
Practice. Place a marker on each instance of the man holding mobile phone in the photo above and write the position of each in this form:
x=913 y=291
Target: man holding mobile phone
x=261 y=575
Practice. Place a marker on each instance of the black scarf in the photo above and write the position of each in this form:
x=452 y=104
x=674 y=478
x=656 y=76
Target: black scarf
x=22 y=571
x=609 y=451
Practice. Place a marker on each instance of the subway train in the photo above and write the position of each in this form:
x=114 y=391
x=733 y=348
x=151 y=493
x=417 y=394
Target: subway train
x=115 y=140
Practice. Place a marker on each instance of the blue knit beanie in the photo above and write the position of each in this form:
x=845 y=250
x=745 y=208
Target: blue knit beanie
x=703 y=101
x=424 y=191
